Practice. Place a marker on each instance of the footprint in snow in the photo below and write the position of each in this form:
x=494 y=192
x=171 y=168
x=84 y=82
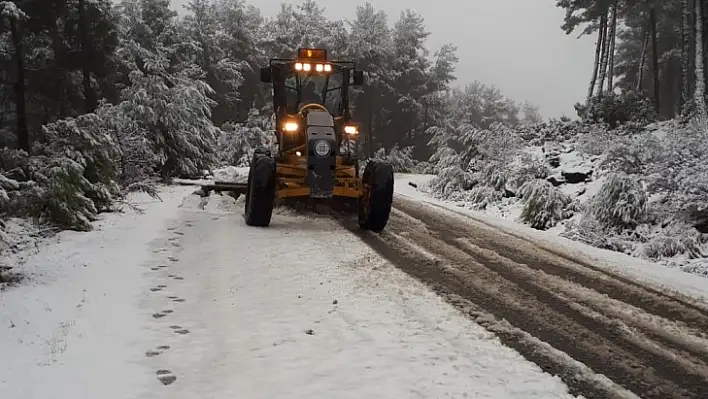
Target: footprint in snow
x=154 y=269
x=166 y=377
x=179 y=300
x=161 y=314
x=155 y=289
x=172 y=258
x=179 y=233
x=157 y=351
x=179 y=330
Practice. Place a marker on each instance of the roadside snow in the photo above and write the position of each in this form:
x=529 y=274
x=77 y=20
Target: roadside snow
x=646 y=271
x=229 y=174
x=69 y=331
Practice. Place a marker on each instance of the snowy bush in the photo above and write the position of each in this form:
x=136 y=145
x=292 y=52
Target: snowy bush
x=175 y=110
x=618 y=109
x=400 y=160
x=675 y=239
x=526 y=168
x=492 y=174
x=55 y=192
x=544 y=205
x=450 y=180
x=89 y=143
x=480 y=197
x=590 y=231
x=621 y=202
x=632 y=155
x=238 y=141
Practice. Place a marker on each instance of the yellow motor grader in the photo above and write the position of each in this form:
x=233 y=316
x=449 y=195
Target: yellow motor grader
x=317 y=143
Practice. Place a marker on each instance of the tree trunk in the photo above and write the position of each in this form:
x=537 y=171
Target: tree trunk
x=655 y=57
x=611 y=63
x=90 y=101
x=603 y=56
x=685 y=50
x=23 y=140
x=642 y=62
x=60 y=58
x=596 y=65
x=699 y=94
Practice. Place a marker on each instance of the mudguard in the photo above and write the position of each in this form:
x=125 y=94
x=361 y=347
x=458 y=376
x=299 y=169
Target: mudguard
x=322 y=154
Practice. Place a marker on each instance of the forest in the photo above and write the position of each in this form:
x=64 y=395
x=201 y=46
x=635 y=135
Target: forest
x=102 y=98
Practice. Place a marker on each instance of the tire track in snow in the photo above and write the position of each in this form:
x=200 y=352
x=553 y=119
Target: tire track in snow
x=625 y=288
x=654 y=347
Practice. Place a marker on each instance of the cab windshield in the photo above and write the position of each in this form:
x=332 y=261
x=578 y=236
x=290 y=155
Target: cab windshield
x=325 y=90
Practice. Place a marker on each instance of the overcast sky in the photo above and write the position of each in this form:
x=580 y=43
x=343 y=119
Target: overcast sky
x=516 y=45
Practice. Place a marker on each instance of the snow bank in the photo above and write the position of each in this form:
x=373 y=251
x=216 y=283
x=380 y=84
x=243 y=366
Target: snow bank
x=643 y=270
x=77 y=312
x=640 y=191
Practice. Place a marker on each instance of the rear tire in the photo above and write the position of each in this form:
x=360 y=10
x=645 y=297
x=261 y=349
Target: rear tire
x=375 y=207
x=260 y=191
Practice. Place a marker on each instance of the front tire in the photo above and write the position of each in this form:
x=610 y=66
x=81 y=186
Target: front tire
x=260 y=191
x=375 y=206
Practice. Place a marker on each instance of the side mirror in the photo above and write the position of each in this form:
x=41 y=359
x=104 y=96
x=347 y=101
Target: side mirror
x=358 y=78
x=266 y=76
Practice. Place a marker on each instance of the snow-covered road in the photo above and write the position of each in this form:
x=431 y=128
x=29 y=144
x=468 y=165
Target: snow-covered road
x=185 y=302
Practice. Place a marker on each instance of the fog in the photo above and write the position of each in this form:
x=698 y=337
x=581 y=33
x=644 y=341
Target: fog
x=516 y=45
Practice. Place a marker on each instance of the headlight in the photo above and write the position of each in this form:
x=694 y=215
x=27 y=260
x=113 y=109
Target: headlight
x=328 y=68
x=319 y=67
x=290 y=126
x=322 y=148
x=307 y=67
x=298 y=66
x=352 y=130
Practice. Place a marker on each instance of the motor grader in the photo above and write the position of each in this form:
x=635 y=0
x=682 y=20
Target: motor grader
x=317 y=143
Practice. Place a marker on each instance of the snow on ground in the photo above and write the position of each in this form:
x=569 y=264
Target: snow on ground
x=67 y=331
x=188 y=296
x=229 y=174
x=643 y=270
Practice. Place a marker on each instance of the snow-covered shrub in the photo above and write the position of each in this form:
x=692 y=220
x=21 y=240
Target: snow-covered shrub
x=544 y=205
x=632 y=155
x=500 y=144
x=552 y=131
x=450 y=180
x=400 y=160
x=525 y=168
x=89 y=143
x=55 y=192
x=52 y=190
x=492 y=174
x=138 y=160
x=175 y=109
x=590 y=231
x=676 y=239
x=618 y=109
x=238 y=141
x=480 y=197
x=596 y=140
x=443 y=158
x=620 y=202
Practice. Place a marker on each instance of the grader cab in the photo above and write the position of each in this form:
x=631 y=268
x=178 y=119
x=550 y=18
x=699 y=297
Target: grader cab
x=317 y=143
